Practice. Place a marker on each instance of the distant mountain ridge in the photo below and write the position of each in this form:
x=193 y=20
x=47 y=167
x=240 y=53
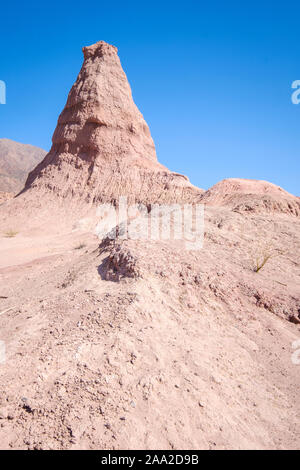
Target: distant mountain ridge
x=16 y=161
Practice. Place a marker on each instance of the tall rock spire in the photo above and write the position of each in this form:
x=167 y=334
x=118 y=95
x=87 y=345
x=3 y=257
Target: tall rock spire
x=102 y=147
x=100 y=118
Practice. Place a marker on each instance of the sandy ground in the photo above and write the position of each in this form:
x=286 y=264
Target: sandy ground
x=142 y=344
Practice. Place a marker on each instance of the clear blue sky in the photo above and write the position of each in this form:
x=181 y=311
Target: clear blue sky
x=212 y=79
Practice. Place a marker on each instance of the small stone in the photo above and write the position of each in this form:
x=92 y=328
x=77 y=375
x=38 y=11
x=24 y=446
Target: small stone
x=294 y=319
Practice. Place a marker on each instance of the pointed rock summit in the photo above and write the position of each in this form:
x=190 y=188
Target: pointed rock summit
x=100 y=118
x=102 y=147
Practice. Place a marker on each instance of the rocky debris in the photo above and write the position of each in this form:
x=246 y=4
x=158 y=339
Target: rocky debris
x=295 y=318
x=120 y=262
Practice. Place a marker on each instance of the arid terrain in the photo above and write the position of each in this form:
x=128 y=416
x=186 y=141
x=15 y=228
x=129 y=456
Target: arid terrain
x=140 y=343
x=16 y=160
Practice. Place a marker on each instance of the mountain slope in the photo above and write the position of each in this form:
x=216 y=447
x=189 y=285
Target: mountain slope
x=16 y=161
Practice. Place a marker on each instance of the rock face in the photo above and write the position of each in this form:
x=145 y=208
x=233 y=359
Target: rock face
x=16 y=160
x=102 y=147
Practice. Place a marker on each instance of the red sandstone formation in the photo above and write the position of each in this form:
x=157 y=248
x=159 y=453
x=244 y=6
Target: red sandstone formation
x=102 y=147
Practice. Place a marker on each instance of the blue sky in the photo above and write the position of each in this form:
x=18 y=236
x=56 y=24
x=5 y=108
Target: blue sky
x=212 y=79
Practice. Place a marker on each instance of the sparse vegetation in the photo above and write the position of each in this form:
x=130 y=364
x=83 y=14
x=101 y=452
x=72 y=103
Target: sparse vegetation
x=263 y=253
x=261 y=246
x=261 y=261
x=10 y=234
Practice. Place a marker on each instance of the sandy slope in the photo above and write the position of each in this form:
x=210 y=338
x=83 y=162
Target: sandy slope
x=166 y=349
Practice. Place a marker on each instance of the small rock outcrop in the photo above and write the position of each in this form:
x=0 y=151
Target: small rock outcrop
x=251 y=196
